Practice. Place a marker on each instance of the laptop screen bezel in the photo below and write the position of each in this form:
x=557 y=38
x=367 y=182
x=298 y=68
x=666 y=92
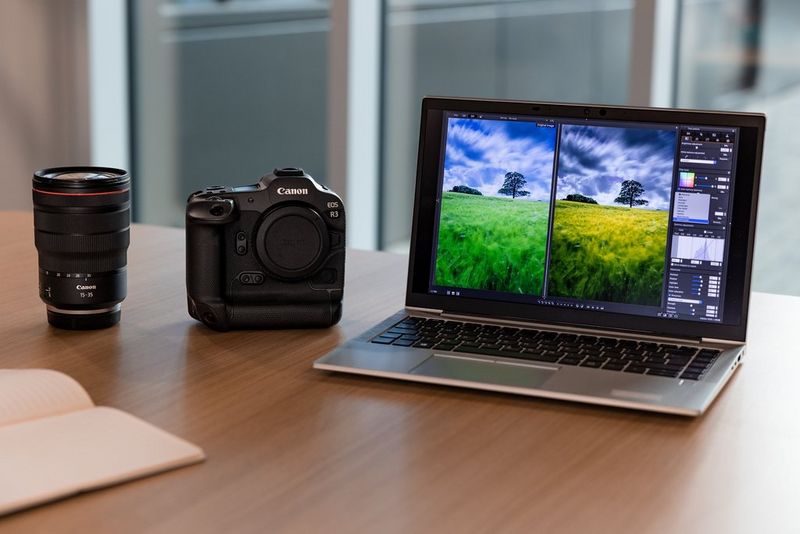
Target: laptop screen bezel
x=745 y=201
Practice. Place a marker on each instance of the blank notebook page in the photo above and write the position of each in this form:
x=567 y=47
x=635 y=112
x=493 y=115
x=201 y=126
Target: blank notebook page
x=58 y=456
x=27 y=394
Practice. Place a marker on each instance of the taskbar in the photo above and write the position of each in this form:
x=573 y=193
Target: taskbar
x=662 y=311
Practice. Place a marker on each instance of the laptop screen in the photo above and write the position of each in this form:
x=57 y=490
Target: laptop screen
x=607 y=216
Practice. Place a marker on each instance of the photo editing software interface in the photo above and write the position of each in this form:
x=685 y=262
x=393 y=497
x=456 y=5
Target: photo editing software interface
x=619 y=217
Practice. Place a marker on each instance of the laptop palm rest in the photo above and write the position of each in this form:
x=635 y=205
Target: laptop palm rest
x=482 y=371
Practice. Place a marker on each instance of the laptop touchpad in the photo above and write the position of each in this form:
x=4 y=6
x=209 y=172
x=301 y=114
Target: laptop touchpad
x=491 y=372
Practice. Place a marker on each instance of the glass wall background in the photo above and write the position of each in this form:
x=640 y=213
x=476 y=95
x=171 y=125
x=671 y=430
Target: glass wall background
x=224 y=91
x=567 y=50
x=745 y=55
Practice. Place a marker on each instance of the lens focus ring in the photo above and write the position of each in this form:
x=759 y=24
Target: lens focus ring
x=82 y=244
x=82 y=253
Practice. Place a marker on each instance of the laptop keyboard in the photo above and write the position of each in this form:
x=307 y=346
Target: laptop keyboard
x=612 y=354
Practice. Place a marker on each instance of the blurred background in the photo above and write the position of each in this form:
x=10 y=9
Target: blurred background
x=188 y=93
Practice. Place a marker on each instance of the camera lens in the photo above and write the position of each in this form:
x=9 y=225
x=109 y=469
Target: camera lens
x=81 y=218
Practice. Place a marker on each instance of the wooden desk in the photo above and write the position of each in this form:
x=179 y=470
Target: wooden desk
x=291 y=449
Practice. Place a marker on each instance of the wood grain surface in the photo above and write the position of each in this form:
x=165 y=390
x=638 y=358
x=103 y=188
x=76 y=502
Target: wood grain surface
x=292 y=449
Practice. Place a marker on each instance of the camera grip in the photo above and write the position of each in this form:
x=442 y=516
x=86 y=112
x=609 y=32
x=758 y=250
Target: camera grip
x=204 y=220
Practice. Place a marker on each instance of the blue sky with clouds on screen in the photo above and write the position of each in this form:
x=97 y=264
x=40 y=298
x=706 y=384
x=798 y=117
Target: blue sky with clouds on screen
x=480 y=152
x=594 y=160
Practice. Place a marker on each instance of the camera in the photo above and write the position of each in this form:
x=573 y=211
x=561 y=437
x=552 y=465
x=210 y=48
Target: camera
x=267 y=255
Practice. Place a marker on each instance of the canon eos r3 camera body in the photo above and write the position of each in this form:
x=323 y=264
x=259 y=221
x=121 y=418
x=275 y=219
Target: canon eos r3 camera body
x=267 y=255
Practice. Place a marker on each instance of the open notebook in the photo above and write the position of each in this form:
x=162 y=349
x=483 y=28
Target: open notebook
x=55 y=442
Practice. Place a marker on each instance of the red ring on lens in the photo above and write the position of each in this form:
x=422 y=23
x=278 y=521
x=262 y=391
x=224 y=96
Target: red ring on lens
x=81 y=194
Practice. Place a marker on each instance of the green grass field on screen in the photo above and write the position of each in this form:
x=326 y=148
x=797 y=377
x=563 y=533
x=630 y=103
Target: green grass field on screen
x=491 y=243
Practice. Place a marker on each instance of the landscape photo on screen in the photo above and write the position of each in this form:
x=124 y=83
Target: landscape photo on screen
x=611 y=214
x=495 y=205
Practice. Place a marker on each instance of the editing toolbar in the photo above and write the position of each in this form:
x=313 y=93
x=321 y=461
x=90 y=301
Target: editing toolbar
x=700 y=223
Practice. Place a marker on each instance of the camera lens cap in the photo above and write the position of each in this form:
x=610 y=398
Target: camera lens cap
x=292 y=242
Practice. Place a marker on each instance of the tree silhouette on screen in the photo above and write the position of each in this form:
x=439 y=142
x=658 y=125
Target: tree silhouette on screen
x=512 y=186
x=629 y=194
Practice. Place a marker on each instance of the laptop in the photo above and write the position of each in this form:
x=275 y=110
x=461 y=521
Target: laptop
x=599 y=254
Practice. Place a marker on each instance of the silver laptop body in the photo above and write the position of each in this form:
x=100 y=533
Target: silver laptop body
x=665 y=335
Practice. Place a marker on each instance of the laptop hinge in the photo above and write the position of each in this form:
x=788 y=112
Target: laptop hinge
x=725 y=342
x=566 y=328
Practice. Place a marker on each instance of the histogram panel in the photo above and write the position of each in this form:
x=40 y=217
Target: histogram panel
x=698 y=248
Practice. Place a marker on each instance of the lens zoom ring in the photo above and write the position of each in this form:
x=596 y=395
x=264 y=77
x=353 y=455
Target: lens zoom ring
x=82 y=223
x=82 y=244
